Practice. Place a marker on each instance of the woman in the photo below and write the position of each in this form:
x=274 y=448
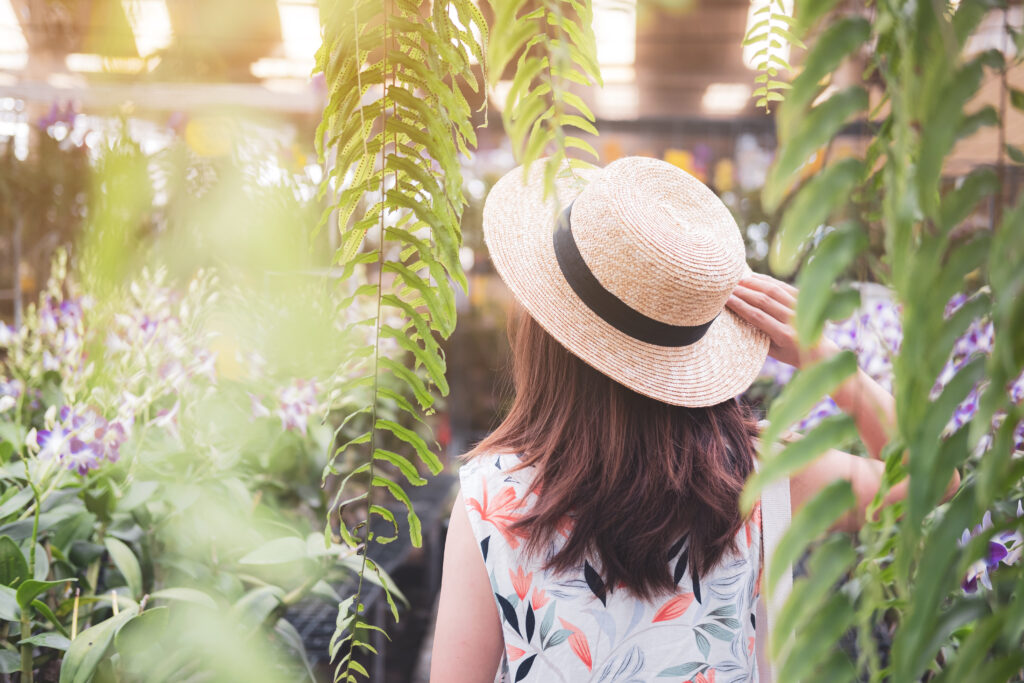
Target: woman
x=597 y=536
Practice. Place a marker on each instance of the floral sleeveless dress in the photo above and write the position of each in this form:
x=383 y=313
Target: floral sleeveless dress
x=572 y=628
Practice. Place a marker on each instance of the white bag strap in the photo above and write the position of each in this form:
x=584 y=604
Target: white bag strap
x=776 y=513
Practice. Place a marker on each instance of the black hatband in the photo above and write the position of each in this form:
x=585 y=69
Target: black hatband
x=609 y=307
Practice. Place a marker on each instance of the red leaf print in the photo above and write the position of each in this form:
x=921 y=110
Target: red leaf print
x=709 y=678
x=499 y=512
x=674 y=608
x=521 y=581
x=567 y=625
x=514 y=653
x=579 y=645
x=540 y=598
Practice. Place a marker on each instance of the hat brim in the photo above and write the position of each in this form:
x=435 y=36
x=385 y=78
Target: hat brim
x=518 y=229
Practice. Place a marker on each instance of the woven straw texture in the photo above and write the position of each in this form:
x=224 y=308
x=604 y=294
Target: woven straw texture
x=659 y=240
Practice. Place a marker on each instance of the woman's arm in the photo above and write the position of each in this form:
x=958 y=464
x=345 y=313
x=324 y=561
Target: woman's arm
x=467 y=638
x=770 y=305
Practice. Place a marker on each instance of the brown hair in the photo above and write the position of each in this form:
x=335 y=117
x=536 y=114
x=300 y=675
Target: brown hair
x=634 y=474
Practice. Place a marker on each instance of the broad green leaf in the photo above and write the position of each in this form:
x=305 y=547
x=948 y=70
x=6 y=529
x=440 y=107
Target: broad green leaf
x=813 y=204
x=13 y=566
x=51 y=639
x=817 y=640
x=827 y=565
x=16 y=502
x=90 y=646
x=182 y=594
x=278 y=551
x=257 y=605
x=9 y=610
x=140 y=639
x=808 y=386
x=828 y=261
x=126 y=563
x=31 y=589
x=837 y=41
x=10 y=662
x=832 y=432
x=817 y=128
x=813 y=519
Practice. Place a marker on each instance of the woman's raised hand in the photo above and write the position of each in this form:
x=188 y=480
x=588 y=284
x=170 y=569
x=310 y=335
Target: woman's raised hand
x=770 y=305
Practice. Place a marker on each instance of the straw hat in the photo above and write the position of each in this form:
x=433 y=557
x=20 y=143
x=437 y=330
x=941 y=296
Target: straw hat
x=629 y=267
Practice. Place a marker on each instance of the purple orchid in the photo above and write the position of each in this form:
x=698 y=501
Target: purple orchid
x=296 y=402
x=1003 y=548
x=78 y=438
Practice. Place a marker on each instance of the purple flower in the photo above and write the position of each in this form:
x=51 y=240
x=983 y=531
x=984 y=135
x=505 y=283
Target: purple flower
x=53 y=443
x=963 y=413
x=81 y=456
x=954 y=304
x=296 y=403
x=825 y=408
x=79 y=439
x=1016 y=390
x=256 y=406
x=168 y=419
x=778 y=372
x=1003 y=548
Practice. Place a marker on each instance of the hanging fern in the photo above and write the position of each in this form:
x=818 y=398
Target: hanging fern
x=552 y=43
x=770 y=32
x=395 y=124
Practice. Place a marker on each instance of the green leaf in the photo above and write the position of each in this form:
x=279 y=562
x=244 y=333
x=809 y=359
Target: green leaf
x=9 y=610
x=813 y=204
x=88 y=649
x=828 y=261
x=196 y=597
x=10 y=662
x=44 y=609
x=826 y=567
x=1017 y=98
x=415 y=533
x=256 y=606
x=818 y=640
x=837 y=41
x=832 y=432
x=31 y=589
x=141 y=638
x=13 y=566
x=416 y=441
x=1016 y=154
x=814 y=519
x=50 y=639
x=278 y=551
x=803 y=392
x=816 y=129
x=126 y=563
x=16 y=502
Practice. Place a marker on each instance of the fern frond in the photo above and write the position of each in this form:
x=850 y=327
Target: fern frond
x=771 y=33
x=395 y=122
x=553 y=46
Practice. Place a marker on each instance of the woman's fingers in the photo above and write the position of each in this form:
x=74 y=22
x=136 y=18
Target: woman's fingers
x=774 y=303
x=782 y=292
x=773 y=326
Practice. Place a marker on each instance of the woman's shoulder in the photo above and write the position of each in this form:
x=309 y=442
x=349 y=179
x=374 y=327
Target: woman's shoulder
x=495 y=467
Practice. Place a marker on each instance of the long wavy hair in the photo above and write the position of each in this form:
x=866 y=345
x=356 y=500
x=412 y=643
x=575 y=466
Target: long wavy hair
x=634 y=475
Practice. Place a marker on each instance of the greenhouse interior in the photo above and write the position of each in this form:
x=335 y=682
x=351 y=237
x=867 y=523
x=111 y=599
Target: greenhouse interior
x=254 y=315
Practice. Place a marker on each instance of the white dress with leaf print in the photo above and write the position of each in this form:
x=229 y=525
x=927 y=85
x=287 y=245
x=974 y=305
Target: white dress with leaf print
x=571 y=628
